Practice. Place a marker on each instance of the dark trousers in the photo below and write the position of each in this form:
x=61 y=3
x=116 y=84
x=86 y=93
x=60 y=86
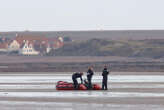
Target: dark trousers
x=75 y=83
x=89 y=78
x=104 y=84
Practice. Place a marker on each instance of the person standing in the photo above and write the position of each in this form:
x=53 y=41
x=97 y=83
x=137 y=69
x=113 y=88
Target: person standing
x=74 y=78
x=105 y=73
x=90 y=73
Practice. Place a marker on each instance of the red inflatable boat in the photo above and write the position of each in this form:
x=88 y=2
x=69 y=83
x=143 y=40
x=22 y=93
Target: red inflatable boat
x=61 y=85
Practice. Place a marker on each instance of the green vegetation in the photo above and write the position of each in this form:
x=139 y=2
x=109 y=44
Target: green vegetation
x=125 y=48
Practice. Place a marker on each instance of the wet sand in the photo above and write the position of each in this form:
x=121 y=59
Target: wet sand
x=37 y=91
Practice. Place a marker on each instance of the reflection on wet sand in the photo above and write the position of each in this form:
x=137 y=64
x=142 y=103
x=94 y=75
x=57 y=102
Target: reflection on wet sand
x=7 y=105
x=37 y=91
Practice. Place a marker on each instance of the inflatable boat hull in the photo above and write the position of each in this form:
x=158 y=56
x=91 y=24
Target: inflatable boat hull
x=61 y=85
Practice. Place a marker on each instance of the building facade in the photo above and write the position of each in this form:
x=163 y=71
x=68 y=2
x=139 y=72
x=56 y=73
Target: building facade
x=13 y=46
x=28 y=49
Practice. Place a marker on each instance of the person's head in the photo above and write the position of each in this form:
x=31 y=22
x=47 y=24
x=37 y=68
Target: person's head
x=105 y=66
x=81 y=73
x=91 y=67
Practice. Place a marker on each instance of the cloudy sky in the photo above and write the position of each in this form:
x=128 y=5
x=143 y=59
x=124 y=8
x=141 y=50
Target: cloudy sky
x=54 y=15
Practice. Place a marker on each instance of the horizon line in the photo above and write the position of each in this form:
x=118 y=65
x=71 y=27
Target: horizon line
x=84 y=30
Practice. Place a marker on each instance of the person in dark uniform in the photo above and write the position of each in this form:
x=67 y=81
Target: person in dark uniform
x=74 y=78
x=90 y=73
x=105 y=73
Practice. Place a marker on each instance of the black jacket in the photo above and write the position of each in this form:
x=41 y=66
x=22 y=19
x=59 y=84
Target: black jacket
x=90 y=73
x=105 y=73
x=77 y=75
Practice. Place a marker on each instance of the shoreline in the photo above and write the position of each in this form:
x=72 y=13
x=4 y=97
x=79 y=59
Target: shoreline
x=70 y=73
x=77 y=67
x=78 y=63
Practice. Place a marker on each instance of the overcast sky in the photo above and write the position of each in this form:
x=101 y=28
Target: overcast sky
x=54 y=15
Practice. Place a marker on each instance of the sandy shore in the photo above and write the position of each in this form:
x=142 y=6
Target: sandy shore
x=37 y=91
x=118 y=100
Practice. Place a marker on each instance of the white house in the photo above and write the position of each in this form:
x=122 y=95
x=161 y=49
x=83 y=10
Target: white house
x=13 y=46
x=28 y=49
x=48 y=49
x=60 y=39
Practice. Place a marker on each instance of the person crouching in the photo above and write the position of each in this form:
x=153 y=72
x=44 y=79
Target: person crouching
x=74 y=78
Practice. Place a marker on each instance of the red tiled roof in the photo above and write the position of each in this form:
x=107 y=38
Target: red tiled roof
x=31 y=39
x=39 y=40
x=3 y=45
x=58 y=44
x=32 y=43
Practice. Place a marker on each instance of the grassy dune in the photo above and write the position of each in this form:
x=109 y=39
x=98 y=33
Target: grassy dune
x=124 y=48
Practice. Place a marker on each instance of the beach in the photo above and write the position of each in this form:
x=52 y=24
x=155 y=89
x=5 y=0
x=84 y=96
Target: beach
x=127 y=91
